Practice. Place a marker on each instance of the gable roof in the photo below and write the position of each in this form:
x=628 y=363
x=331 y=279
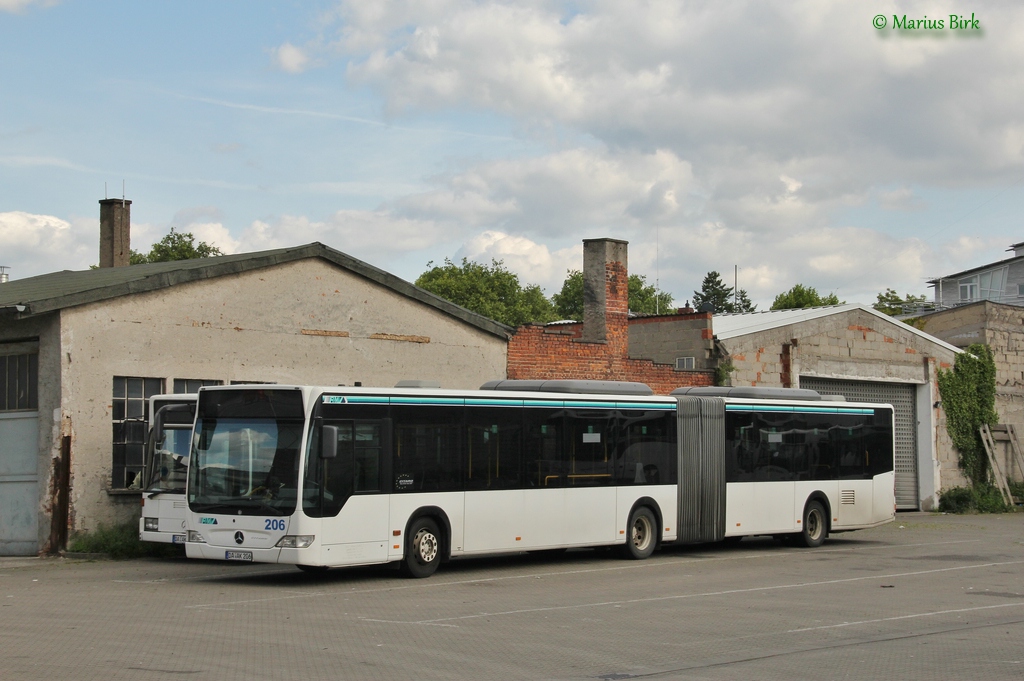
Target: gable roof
x=726 y=326
x=58 y=290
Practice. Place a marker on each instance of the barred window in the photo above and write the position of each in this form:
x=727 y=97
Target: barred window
x=19 y=376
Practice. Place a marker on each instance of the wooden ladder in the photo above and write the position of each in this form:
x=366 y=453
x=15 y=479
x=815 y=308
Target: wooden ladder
x=1006 y=435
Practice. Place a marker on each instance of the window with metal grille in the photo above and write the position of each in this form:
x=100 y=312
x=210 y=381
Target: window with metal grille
x=19 y=376
x=130 y=427
x=685 y=363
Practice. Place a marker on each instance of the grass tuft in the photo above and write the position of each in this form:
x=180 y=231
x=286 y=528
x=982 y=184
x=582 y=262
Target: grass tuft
x=121 y=542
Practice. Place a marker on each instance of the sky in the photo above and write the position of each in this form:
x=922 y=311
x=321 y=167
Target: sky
x=777 y=143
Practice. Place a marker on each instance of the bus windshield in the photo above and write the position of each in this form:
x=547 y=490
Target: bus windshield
x=248 y=466
x=167 y=466
x=165 y=460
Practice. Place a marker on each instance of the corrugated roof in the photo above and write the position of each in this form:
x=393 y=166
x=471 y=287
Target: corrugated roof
x=58 y=290
x=728 y=326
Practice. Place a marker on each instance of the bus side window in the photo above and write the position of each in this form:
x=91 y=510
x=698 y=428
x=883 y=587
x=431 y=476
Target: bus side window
x=428 y=451
x=493 y=448
x=544 y=459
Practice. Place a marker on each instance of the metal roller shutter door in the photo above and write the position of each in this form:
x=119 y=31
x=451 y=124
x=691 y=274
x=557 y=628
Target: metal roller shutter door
x=902 y=397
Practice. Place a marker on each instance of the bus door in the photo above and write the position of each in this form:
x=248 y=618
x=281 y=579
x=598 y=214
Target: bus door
x=343 y=486
x=854 y=456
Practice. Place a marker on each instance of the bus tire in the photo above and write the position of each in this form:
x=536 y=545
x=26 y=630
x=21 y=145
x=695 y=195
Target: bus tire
x=815 y=525
x=313 y=569
x=641 y=533
x=423 y=548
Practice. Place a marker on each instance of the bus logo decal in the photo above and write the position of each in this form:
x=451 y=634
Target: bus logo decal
x=207 y=521
x=239 y=537
x=334 y=399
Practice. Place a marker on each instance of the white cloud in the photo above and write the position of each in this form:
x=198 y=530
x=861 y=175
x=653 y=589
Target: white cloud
x=374 y=236
x=534 y=262
x=793 y=83
x=29 y=243
x=902 y=199
x=19 y=6
x=560 y=193
x=290 y=58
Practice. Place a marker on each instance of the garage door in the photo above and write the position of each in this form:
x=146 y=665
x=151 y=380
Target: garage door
x=902 y=397
x=19 y=483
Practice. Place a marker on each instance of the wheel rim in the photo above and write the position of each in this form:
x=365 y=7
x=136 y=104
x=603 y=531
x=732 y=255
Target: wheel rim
x=814 y=524
x=425 y=544
x=641 y=533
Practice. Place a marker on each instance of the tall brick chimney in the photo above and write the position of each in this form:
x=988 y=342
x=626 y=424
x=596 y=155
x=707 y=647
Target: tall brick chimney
x=115 y=232
x=605 y=292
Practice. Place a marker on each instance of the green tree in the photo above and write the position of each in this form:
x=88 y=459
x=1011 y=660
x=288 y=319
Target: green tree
x=644 y=298
x=803 y=296
x=175 y=246
x=714 y=291
x=492 y=291
x=742 y=303
x=891 y=304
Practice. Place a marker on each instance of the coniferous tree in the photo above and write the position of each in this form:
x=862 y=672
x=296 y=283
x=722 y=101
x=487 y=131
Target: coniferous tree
x=723 y=298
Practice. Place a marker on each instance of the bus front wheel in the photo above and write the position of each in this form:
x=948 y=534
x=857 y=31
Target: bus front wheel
x=423 y=548
x=815 y=525
x=641 y=534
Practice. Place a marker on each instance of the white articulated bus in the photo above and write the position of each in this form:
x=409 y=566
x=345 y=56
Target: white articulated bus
x=321 y=477
x=166 y=467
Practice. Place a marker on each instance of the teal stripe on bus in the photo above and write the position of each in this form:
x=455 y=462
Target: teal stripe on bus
x=473 y=402
x=429 y=401
x=800 y=409
x=491 y=402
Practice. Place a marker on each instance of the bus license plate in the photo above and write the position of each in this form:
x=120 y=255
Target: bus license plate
x=238 y=555
x=177 y=539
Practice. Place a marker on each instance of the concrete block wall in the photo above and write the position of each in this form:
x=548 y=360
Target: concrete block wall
x=666 y=337
x=1001 y=328
x=854 y=345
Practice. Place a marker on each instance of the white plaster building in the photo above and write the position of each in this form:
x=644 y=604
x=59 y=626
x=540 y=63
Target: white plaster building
x=80 y=352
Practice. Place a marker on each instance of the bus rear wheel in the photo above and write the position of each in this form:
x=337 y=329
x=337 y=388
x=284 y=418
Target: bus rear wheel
x=641 y=534
x=423 y=548
x=815 y=525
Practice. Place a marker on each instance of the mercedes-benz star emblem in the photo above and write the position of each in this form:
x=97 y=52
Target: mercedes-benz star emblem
x=239 y=537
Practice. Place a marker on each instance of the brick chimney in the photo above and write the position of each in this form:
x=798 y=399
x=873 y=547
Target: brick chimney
x=605 y=292
x=115 y=232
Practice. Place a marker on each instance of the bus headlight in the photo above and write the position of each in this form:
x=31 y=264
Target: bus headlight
x=296 y=541
x=151 y=524
x=195 y=538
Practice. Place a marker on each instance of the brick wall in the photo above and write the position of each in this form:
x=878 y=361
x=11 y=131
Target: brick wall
x=598 y=349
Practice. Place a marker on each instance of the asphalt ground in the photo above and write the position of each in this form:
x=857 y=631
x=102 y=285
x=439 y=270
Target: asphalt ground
x=929 y=597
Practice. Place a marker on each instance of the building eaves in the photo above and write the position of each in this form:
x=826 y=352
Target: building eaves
x=728 y=326
x=59 y=290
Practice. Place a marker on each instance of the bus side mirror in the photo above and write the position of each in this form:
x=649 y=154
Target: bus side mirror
x=329 y=442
